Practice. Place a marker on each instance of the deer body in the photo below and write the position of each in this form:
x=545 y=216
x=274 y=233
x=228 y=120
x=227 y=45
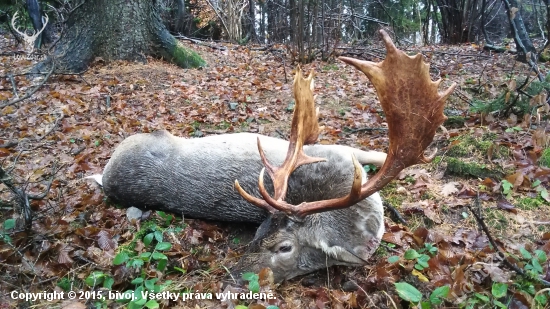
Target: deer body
x=194 y=177
x=316 y=206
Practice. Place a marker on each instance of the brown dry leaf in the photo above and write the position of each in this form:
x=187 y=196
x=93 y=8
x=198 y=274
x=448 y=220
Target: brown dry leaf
x=515 y=179
x=450 y=188
x=540 y=138
x=105 y=241
x=497 y=274
x=504 y=204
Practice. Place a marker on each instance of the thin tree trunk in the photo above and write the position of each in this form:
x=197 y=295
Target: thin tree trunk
x=482 y=23
x=521 y=37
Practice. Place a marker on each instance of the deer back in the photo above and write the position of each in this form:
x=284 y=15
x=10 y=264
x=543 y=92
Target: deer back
x=194 y=177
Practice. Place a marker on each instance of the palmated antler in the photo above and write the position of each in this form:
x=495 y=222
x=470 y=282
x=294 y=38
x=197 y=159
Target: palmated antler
x=304 y=130
x=414 y=110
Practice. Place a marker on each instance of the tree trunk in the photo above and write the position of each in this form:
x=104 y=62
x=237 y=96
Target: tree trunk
x=36 y=14
x=180 y=15
x=545 y=53
x=252 y=21
x=482 y=23
x=521 y=37
x=127 y=30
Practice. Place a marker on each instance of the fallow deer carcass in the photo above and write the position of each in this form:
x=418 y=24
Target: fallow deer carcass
x=344 y=229
x=195 y=177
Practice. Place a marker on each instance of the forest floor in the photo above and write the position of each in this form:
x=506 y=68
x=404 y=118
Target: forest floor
x=495 y=164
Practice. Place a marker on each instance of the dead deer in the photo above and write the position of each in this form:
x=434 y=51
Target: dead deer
x=29 y=40
x=338 y=219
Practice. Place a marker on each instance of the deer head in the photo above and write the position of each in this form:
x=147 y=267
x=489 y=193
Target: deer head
x=414 y=110
x=29 y=40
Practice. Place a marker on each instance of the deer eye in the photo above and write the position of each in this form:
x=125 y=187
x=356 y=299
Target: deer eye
x=285 y=249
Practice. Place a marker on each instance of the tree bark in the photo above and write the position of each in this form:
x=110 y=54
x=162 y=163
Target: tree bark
x=127 y=30
x=521 y=37
x=35 y=14
x=545 y=53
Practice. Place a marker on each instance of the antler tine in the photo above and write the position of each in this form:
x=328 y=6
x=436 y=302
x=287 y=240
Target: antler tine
x=414 y=110
x=13 y=19
x=304 y=130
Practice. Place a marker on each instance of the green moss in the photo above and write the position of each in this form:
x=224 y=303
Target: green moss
x=545 y=158
x=545 y=55
x=186 y=58
x=460 y=168
x=496 y=220
x=468 y=146
x=454 y=122
x=528 y=203
x=391 y=196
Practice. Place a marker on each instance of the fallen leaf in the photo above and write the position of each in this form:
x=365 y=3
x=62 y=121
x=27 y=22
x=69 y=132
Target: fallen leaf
x=450 y=188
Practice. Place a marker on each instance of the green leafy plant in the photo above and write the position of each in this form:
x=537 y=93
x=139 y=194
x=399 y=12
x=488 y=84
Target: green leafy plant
x=370 y=168
x=167 y=218
x=514 y=129
x=98 y=278
x=478 y=300
x=421 y=256
x=6 y=226
x=507 y=188
x=253 y=283
x=153 y=239
x=541 y=189
x=409 y=293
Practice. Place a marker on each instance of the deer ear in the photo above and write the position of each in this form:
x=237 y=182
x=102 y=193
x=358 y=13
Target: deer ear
x=352 y=253
x=343 y=255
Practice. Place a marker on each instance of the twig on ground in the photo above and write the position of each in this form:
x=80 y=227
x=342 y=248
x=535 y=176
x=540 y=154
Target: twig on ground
x=281 y=134
x=52 y=128
x=351 y=131
x=9 y=144
x=396 y=215
x=33 y=91
x=502 y=253
x=183 y=37
x=14 y=86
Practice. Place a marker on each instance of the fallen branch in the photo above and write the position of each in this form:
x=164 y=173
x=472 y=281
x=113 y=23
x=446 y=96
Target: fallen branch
x=396 y=215
x=198 y=42
x=33 y=91
x=9 y=144
x=351 y=131
x=502 y=253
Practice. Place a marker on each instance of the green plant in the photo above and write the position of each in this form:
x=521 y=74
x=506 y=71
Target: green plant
x=409 y=293
x=514 y=129
x=498 y=291
x=513 y=101
x=7 y=225
x=97 y=278
x=370 y=168
x=421 y=256
x=152 y=238
x=330 y=67
x=253 y=283
x=541 y=189
x=545 y=158
x=167 y=218
x=507 y=188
